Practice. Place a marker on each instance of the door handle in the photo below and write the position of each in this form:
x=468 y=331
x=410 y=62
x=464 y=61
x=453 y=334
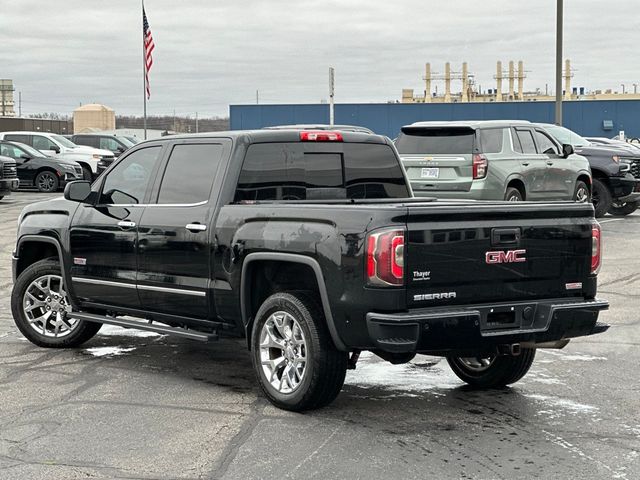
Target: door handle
x=549 y=162
x=195 y=227
x=126 y=224
x=525 y=164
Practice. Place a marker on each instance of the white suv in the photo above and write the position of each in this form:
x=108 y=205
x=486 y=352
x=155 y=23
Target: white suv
x=93 y=160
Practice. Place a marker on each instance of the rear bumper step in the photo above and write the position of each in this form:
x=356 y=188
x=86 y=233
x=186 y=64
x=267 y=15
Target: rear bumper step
x=142 y=325
x=480 y=327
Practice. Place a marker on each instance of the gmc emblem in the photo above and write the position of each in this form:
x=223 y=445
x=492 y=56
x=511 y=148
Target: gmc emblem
x=508 y=256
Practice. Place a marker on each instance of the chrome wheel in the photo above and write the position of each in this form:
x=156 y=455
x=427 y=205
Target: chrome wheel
x=514 y=198
x=476 y=364
x=283 y=352
x=582 y=195
x=46 y=306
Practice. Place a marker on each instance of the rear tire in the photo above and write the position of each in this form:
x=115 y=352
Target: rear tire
x=622 y=209
x=498 y=371
x=35 y=302
x=601 y=198
x=513 y=195
x=289 y=327
x=581 y=194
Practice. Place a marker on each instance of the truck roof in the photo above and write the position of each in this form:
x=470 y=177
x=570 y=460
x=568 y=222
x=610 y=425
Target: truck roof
x=474 y=124
x=272 y=136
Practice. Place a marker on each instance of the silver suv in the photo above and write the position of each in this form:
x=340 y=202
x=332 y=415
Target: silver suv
x=491 y=160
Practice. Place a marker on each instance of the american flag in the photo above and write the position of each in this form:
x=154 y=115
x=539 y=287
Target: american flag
x=148 y=48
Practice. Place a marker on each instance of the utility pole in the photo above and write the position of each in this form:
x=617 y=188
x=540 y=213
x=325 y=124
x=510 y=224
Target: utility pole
x=174 y=120
x=257 y=97
x=559 y=27
x=331 y=92
x=196 y=122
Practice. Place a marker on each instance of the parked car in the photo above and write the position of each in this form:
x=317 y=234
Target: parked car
x=305 y=243
x=631 y=147
x=36 y=169
x=491 y=160
x=321 y=126
x=114 y=143
x=92 y=160
x=615 y=170
x=132 y=139
x=8 y=176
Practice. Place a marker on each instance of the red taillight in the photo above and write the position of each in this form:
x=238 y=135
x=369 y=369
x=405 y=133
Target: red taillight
x=596 y=248
x=480 y=166
x=385 y=257
x=320 y=136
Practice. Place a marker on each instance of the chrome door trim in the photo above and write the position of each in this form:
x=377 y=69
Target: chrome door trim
x=180 y=291
x=103 y=282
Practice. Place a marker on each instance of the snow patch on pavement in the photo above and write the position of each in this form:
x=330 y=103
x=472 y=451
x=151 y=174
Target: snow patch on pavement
x=573 y=356
x=113 y=330
x=107 y=351
x=563 y=403
x=420 y=375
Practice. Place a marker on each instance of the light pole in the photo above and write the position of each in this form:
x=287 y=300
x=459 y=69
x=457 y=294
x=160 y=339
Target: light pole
x=559 y=9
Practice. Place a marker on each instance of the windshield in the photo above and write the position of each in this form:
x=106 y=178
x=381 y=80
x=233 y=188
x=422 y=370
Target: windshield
x=133 y=140
x=30 y=150
x=566 y=136
x=63 y=141
x=126 y=141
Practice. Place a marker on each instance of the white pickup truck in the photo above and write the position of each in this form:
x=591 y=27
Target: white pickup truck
x=93 y=160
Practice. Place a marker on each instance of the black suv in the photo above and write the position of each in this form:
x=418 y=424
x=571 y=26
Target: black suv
x=615 y=171
x=35 y=169
x=104 y=141
x=307 y=244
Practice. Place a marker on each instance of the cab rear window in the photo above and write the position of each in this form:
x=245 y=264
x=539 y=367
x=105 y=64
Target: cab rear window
x=435 y=141
x=297 y=171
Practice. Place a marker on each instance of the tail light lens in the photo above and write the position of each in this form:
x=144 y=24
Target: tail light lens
x=320 y=136
x=385 y=257
x=596 y=248
x=480 y=166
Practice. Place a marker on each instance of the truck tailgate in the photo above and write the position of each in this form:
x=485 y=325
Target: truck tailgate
x=496 y=252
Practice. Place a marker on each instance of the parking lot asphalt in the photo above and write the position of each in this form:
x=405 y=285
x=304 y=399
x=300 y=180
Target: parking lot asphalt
x=139 y=405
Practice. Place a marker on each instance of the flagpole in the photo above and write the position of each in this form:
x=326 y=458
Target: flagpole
x=144 y=78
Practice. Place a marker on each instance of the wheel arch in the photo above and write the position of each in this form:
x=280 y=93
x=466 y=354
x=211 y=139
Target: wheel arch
x=261 y=260
x=518 y=183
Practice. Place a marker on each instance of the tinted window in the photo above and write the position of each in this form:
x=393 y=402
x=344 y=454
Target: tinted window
x=491 y=140
x=436 y=141
x=189 y=174
x=18 y=138
x=87 y=140
x=128 y=181
x=526 y=141
x=285 y=171
x=545 y=144
x=107 y=143
x=8 y=150
x=43 y=143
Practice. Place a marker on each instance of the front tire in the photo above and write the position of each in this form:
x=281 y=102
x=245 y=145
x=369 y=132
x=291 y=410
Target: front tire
x=86 y=174
x=40 y=308
x=581 y=194
x=47 y=182
x=601 y=198
x=297 y=365
x=623 y=209
x=492 y=372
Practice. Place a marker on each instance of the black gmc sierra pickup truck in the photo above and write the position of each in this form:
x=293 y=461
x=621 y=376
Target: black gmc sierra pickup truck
x=309 y=244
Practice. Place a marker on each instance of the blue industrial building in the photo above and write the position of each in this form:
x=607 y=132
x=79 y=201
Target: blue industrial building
x=603 y=118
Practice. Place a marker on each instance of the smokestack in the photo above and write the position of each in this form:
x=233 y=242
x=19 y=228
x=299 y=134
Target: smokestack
x=427 y=83
x=447 y=82
x=520 y=80
x=567 y=79
x=465 y=83
x=511 y=79
x=499 y=81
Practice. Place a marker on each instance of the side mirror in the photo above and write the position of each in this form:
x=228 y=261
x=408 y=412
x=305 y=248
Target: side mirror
x=567 y=150
x=55 y=148
x=77 y=191
x=25 y=157
x=120 y=149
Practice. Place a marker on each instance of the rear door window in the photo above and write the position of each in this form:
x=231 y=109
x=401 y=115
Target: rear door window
x=436 y=141
x=525 y=138
x=15 y=137
x=189 y=174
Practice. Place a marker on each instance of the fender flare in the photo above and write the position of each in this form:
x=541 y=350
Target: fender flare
x=290 y=258
x=53 y=241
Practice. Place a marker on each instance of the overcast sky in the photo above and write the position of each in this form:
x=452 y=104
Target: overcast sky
x=210 y=54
